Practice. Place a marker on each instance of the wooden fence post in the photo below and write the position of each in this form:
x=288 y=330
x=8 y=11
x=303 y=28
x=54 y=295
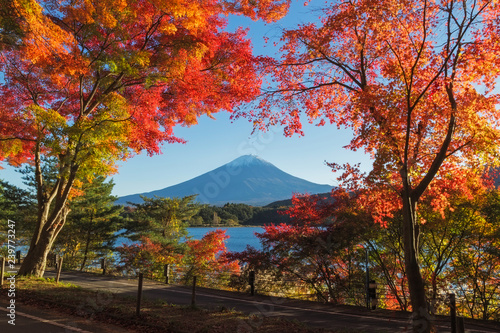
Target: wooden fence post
x=460 y=325
x=166 y=272
x=59 y=268
x=139 y=295
x=251 y=282
x=2 y=268
x=103 y=266
x=453 y=313
x=193 y=296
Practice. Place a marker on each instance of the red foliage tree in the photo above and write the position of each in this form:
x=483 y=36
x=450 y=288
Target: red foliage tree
x=414 y=81
x=148 y=256
x=112 y=78
x=321 y=249
x=206 y=258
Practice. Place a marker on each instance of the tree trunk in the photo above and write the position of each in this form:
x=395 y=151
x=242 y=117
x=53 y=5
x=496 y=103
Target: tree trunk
x=434 y=300
x=87 y=245
x=421 y=319
x=35 y=261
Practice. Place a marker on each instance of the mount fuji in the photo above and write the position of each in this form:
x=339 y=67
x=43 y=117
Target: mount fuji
x=247 y=179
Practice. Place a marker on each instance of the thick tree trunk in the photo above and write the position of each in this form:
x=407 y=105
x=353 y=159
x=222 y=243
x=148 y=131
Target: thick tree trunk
x=421 y=319
x=35 y=261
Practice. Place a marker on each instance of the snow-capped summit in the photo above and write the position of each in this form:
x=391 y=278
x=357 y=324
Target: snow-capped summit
x=247 y=160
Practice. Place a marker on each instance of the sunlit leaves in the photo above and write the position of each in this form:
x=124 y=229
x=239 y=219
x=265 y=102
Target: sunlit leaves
x=267 y=10
x=112 y=78
x=414 y=81
x=390 y=71
x=94 y=82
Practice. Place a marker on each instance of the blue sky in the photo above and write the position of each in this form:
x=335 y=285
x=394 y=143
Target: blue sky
x=213 y=143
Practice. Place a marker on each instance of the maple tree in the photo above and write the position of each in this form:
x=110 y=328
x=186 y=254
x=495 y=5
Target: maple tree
x=414 y=81
x=94 y=82
x=324 y=248
x=206 y=259
x=321 y=249
x=147 y=256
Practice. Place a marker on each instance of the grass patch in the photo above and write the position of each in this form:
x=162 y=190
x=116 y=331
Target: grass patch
x=156 y=316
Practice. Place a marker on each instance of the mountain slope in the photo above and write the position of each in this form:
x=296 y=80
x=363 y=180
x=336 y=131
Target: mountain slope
x=248 y=179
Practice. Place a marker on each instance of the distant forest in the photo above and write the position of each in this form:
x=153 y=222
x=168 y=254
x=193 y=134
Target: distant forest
x=237 y=214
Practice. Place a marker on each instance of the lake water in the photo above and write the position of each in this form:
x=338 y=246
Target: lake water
x=239 y=237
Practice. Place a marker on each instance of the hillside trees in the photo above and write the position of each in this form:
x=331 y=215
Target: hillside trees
x=238 y=214
x=215 y=216
x=413 y=80
x=93 y=83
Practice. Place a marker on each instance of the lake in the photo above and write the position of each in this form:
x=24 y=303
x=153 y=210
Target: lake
x=239 y=237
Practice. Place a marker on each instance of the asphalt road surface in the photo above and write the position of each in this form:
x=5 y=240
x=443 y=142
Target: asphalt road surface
x=30 y=319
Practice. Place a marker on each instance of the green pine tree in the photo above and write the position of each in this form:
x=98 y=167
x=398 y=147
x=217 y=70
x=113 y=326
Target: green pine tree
x=92 y=224
x=163 y=220
x=16 y=205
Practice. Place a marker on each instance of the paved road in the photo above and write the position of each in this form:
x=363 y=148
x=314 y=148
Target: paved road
x=30 y=319
x=312 y=313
